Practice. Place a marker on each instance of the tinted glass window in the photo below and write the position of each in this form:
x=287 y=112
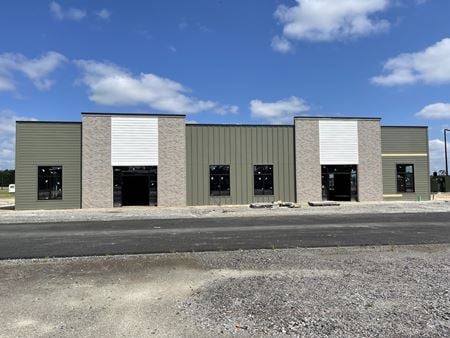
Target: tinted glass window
x=219 y=180
x=405 y=178
x=263 y=179
x=50 y=183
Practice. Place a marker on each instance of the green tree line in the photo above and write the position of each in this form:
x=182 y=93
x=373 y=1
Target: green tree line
x=6 y=177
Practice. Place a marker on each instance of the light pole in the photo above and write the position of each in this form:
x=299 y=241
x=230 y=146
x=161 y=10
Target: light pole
x=445 y=147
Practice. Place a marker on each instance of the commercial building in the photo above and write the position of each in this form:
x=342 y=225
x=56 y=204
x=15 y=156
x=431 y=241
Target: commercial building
x=116 y=160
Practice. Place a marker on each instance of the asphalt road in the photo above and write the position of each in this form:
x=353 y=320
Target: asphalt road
x=209 y=234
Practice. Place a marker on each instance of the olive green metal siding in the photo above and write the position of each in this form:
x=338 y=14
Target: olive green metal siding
x=47 y=144
x=405 y=145
x=241 y=147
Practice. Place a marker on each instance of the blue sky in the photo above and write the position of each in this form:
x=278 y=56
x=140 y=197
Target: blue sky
x=228 y=61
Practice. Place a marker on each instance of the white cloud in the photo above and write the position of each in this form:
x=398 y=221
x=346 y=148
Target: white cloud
x=430 y=66
x=144 y=33
x=328 y=20
x=437 y=154
x=227 y=109
x=37 y=70
x=104 y=14
x=281 y=44
x=277 y=112
x=59 y=13
x=6 y=84
x=56 y=10
x=435 y=111
x=183 y=24
x=8 y=120
x=111 y=85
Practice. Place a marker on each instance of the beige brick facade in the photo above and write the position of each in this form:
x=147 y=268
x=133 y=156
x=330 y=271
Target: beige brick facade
x=97 y=175
x=307 y=158
x=308 y=168
x=370 y=176
x=172 y=161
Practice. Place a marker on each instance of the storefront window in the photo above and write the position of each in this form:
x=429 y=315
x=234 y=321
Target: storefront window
x=50 y=183
x=405 y=178
x=219 y=180
x=263 y=179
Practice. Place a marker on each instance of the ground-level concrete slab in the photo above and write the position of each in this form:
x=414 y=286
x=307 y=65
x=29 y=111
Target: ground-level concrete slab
x=142 y=213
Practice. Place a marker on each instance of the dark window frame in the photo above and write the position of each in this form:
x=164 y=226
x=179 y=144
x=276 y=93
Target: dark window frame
x=220 y=192
x=265 y=192
x=58 y=197
x=399 y=174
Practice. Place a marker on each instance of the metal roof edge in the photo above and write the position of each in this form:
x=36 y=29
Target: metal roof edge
x=237 y=125
x=404 y=127
x=338 y=117
x=58 y=122
x=132 y=114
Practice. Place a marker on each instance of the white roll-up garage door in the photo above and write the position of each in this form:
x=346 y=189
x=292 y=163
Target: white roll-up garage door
x=338 y=142
x=134 y=141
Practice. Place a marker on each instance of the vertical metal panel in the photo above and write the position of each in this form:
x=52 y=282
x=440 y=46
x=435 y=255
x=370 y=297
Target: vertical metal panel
x=249 y=152
x=398 y=142
x=238 y=160
x=338 y=142
x=134 y=141
x=48 y=144
x=241 y=147
x=269 y=140
x=226 y=133
x=188 y=165
x=198 y=186
x=231 y=153
x=204 y=182
x=278 y=144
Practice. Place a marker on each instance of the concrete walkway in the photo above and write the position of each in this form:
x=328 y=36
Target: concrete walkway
x=148 y=213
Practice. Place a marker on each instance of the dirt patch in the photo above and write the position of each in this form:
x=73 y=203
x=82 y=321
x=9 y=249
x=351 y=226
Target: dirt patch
x=109 y=296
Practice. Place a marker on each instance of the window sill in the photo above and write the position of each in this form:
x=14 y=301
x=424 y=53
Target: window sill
x=50 y=200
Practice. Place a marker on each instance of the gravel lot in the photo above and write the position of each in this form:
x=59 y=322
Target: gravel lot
x=370 y=291
x=11 y=216
x=387 y=292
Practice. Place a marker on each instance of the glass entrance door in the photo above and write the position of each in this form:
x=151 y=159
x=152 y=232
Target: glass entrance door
x=339 y=183
x=135 y=186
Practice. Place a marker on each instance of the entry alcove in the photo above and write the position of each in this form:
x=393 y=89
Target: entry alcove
x=339 y=182
x=134 y=186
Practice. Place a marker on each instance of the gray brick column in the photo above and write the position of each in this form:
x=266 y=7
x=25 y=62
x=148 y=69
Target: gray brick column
x=370 y=177
x=171 y=161
x=307 y=160
x=97 y=175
